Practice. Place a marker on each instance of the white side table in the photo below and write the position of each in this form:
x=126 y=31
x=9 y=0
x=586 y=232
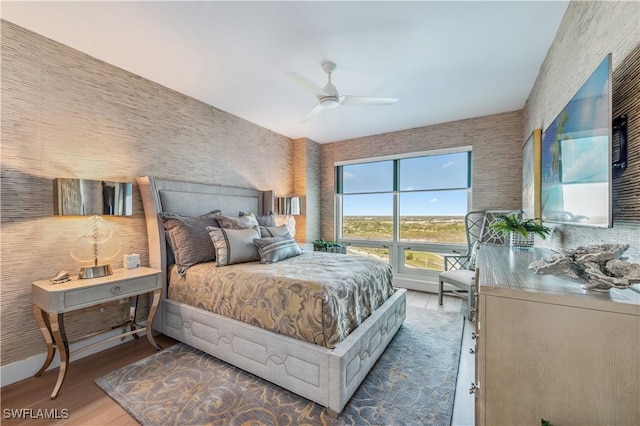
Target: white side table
x=51 y=301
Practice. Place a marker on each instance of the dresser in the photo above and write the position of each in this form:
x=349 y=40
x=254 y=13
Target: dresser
x=547 y=349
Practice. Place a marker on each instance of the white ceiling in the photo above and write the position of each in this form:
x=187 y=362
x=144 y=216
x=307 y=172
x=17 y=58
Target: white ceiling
x=445 y=61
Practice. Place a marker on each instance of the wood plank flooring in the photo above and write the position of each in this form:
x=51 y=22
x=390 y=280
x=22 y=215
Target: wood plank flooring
x=87 y=404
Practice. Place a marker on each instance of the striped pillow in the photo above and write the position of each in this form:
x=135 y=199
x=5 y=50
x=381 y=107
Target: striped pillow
x=234 y=245
x=274 y=249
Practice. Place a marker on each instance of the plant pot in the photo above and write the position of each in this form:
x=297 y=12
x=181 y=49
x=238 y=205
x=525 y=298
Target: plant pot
x=341 y=250
x=518 y=242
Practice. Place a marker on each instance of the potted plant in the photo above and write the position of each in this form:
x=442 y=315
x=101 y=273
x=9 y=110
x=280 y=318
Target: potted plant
x=521 y=231
x=328 y=246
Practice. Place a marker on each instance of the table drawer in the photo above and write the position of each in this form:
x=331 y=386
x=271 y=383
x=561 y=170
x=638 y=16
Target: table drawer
x=109 y=291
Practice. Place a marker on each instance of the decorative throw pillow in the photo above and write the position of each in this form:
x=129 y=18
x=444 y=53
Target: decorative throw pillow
x=189 y=238
x=234 y=245
x=264 y=220
x=240 y=222
x=274 y=231
x=274 y=249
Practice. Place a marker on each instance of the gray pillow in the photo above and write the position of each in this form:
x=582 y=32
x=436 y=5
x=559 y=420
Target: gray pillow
x=274 y=231
x=234 y=245
x=240 y=222
x=189 y=238
x=274 y=249
x=263 y=220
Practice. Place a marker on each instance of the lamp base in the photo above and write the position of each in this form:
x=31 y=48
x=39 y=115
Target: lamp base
x=95 y=271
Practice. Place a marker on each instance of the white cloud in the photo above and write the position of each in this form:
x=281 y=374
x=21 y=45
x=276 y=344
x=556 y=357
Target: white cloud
x=434 y=200
x=449 y=164
x=347 y=175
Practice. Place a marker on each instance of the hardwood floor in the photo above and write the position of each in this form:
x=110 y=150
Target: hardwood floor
x=86 y=404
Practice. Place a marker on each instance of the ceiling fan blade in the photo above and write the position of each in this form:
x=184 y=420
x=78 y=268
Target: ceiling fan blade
x=366 y=100
x=315 y=111
x=300 y=80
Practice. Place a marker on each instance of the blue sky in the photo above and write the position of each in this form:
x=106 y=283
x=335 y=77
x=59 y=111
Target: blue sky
x=430 y=173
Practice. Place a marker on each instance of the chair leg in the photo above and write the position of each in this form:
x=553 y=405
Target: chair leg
x=440 y=289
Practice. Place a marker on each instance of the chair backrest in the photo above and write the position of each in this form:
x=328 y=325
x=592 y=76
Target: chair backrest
x=473 y=222
x=477 y=226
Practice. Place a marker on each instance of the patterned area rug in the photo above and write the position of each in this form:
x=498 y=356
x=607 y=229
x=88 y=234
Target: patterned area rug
x=413 y=383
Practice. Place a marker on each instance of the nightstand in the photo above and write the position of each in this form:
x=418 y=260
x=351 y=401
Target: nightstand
x=51 y=301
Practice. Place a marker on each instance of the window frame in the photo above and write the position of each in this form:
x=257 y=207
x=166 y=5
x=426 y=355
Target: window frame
x=396 y=246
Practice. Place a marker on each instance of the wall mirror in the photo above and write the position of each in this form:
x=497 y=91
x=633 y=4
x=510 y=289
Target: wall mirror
x=82 y=197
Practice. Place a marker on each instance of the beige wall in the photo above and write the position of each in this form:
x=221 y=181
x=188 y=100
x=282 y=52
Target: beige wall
x=590 y=30
x=306 y=183
x=65 y=114
x=497 y=158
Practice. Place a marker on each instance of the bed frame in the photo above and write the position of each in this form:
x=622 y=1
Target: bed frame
x=326 y=376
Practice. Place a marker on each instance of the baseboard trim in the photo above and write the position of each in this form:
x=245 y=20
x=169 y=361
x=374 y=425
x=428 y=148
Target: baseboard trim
x=25 y=368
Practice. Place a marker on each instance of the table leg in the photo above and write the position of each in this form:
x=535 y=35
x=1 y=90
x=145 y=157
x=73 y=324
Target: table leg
x=133 y=309
x=46 y=333
x=152 y=313
x=56 y=322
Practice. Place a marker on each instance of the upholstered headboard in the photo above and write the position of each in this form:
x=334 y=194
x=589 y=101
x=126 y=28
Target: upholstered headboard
x=193 y=199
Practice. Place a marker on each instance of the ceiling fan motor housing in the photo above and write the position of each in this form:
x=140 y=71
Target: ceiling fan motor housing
x=329 y=102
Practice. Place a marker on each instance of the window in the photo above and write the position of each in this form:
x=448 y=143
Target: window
x=408 y=211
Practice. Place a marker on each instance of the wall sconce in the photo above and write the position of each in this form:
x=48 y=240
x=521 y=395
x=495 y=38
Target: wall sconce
x=96 y=245
x=288 y=205
x=85 y=197
x=287 y=208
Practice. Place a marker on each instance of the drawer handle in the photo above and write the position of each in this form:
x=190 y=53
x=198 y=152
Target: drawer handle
x=116 y=289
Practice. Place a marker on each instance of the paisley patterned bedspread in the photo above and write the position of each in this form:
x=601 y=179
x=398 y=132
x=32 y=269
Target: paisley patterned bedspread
x=318 y=297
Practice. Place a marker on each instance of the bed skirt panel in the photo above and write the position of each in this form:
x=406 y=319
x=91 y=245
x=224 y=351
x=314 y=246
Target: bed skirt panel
x=326 y=376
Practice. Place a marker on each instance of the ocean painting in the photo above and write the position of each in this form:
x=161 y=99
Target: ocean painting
x=576 y=156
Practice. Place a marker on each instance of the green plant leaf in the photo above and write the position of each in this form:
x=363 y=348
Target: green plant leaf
x=511 y=223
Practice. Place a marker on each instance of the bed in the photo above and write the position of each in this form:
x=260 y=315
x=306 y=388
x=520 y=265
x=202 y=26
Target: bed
x=325 y=367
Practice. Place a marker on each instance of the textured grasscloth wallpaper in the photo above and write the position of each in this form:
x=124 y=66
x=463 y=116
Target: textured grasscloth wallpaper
x=306 y=182
x=590 y=30
x=65 y=114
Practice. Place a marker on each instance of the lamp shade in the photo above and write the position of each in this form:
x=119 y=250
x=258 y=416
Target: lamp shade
x=288 y=206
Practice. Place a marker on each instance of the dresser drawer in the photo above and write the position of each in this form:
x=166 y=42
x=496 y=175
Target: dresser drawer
x=109 y=291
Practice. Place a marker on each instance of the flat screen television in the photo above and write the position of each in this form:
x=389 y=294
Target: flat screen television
x=576 y=156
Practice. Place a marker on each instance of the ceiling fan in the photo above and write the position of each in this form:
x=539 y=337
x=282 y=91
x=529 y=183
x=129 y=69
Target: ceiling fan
x=328 y=97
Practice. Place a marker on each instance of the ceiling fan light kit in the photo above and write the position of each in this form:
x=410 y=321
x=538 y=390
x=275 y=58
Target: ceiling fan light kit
x=328 y=96
x=330 y=102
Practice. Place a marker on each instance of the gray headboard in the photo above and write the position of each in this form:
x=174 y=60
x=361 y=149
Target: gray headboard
x=193 y=199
